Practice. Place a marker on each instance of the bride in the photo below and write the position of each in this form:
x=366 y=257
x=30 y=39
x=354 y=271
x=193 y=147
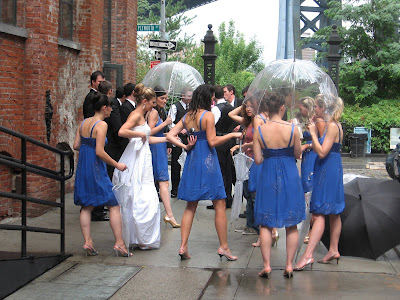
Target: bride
x=135 y=188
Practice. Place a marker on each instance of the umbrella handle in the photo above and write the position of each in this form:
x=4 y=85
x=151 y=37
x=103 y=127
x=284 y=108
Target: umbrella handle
x=240 y=145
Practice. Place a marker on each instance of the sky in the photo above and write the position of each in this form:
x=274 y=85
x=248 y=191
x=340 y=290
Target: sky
x=253 y=18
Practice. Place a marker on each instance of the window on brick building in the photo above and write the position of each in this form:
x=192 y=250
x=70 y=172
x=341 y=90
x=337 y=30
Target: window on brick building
x=107 y=31
x=65 y=20
x=8 y=11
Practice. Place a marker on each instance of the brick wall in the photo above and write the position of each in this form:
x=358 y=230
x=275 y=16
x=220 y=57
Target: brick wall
x=30 y=66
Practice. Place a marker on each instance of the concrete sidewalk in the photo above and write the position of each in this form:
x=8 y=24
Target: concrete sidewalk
x=160 y=274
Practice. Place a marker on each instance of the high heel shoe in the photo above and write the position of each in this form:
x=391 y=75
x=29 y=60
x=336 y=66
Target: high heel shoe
x=120 y=250
x=288 y=274
x=265 y=274
x=228 y=256
x=334 y=256
x=308 y=262
x=256 y=244
x=89 y=251
x=184 y=254
x=275 y=239
x=173 y=224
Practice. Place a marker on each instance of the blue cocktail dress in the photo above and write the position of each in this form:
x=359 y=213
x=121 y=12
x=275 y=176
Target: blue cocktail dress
x=279 y=196
x=328 y=194
x=159 y=157
x=93 y=187
x=307 y=164
x=201 y=176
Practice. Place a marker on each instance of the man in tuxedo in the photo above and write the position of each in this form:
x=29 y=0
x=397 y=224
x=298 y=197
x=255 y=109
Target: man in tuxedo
x=177 y=111
x=95 y=80
x=126 y=108
x=114 y=145
x=223 y=125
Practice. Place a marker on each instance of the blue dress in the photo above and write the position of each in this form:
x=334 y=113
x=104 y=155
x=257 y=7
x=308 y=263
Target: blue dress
x=255 y=171
x=279 y=197
x=159 y=157
x=201 y=177
x=93 y=187
x=307 y=164
x=328 y=195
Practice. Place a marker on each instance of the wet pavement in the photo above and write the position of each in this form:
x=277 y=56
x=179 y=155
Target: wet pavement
x=160 y=274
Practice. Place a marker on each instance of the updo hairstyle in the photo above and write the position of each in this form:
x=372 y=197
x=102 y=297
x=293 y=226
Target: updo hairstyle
x=160 y=91
x=100 y=100
x=141 y=92
x=273 y=102
x=308 y=103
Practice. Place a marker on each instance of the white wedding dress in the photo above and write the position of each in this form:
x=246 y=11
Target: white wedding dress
x=137 y=195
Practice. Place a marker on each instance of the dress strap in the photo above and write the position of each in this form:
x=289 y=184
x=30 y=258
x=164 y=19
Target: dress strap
x=291 y=135
x=91 y=131
x=265 y=121
x=183 y=121
x=262 y=138
x=201 y=118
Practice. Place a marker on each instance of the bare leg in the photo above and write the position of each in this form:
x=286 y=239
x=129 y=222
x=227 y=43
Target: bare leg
x=116 y=224
x=186 y=226
x=85 y=219
x=164 y=193
x=315 y=236
x=221 y=223
x=292 y=239
x=335 y=229
x=266 y=243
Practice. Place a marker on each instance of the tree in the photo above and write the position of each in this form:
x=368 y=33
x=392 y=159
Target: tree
x=371 y=48
x=175 y=23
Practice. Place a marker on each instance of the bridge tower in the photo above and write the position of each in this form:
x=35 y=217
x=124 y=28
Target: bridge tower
x=299 y=19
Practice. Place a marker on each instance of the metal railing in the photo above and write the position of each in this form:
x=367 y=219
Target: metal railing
x=26 y=168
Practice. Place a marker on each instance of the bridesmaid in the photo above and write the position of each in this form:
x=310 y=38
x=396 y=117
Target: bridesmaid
x=158 y=122
x=279 y=194
x=93 y=187
x=201 y=177
x=328 y=195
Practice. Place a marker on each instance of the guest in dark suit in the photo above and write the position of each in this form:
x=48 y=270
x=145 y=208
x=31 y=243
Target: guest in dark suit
x=177 y=111
x=223 y=126
x=126 y=108
x=114 y=145
x=95 y=79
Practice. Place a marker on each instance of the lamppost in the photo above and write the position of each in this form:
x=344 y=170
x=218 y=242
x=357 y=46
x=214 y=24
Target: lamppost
x=209 y=56
x=334 y=55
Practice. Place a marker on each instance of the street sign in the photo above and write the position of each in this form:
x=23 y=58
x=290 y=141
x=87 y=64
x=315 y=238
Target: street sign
x=148 y=27
x=154 y=63
x=157 y=55
x=163 y=45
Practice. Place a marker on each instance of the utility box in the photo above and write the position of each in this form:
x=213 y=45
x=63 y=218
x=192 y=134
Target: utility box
x=368 y=131
x=357 y=143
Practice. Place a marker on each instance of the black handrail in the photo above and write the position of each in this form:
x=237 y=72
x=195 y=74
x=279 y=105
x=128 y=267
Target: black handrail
x=25 y=168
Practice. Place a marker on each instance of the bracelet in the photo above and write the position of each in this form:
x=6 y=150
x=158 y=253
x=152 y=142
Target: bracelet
x=309 y=146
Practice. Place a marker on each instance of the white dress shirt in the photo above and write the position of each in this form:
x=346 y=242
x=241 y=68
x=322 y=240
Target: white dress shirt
x=215 y=110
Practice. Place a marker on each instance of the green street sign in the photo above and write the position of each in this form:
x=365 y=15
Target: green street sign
x=148 y=27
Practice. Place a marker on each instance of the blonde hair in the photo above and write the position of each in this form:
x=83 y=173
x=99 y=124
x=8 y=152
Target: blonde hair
x=338 y=114
x=308 y=103
x=141 y=92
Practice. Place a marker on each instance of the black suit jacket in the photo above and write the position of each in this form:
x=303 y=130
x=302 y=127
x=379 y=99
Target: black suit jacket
x=114 y=124
x=87 y=104
x=125 y=109
x=238 y=102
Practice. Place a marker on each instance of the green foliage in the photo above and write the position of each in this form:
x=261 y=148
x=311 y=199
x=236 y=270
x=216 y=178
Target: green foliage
x=371 y=49
x=380 y=117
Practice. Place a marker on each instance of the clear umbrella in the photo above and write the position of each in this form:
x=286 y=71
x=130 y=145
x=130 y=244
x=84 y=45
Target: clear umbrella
x=175 y=77
x=242 y=166
x=293 y=80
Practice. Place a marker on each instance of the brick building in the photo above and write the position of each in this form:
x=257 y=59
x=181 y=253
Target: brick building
x=54 y=46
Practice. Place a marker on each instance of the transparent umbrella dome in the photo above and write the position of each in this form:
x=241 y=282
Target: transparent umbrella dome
x=174 y=77
x=293 y=80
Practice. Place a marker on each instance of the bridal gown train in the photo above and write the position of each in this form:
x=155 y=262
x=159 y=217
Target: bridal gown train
x=137 y=194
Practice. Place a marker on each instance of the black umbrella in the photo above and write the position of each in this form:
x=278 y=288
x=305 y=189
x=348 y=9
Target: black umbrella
x=371 y=218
